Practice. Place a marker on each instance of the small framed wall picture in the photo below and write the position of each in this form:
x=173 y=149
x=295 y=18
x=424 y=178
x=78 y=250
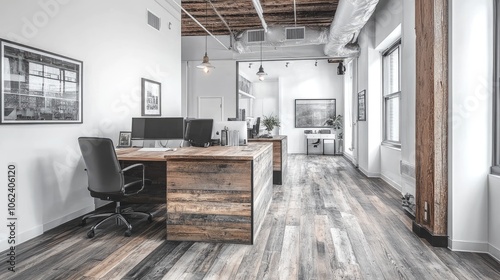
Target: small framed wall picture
x=362 y=105
x=151 y=98
x=125 y=139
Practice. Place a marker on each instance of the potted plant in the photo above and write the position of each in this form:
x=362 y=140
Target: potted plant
x=270 y=122
x=336 y=122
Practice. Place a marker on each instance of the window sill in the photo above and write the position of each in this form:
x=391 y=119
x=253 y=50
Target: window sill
x=393 y=145
x=495 y=170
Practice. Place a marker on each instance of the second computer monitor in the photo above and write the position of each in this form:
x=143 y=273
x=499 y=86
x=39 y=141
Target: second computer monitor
x=199 y=132
x=157 y=128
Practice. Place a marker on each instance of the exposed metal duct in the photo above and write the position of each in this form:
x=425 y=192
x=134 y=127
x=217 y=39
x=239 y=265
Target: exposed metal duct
x=276 y=37
x=349 y=19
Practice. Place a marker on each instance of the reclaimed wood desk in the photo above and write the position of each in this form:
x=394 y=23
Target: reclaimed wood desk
x=280 y=156
x=215 y=194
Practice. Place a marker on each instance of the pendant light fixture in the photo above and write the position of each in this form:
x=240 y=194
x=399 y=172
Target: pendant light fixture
x=261 y=72
x=205 y=65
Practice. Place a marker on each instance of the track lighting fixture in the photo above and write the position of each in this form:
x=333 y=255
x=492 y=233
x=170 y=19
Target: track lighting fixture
x=341 y=69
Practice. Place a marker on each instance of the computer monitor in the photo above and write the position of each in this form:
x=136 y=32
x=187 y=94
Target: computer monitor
x=199 y=132
x=157 y=128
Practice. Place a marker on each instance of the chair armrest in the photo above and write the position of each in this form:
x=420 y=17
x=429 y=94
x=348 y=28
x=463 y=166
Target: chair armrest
x=143 y=178
x=133 y=166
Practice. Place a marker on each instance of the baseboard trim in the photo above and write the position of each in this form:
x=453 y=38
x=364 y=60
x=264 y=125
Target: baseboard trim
x=57 y=222
x=349 y=158
x=40 y=229
x=467 y=246
x=434 y=240
x=474 y=247
x=392 y=183
x=494 y=252
x=369 y=174
x=22 y=237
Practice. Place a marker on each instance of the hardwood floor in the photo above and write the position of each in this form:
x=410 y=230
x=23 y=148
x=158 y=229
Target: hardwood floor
x=327 y=221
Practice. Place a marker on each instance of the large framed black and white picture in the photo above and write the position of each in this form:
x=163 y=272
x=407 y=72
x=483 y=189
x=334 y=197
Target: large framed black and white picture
x=39 y=86
x=151 y=98
x=314 y=112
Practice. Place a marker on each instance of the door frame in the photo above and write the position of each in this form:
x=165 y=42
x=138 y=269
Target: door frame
x=208 y=97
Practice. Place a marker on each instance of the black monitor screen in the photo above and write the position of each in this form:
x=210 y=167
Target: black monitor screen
x=157 y=128
x=199 y=132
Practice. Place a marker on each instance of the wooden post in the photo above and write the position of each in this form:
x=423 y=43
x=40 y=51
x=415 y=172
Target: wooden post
x=432 y=121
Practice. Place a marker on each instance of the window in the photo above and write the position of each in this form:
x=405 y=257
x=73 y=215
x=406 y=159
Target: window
x=392 y=94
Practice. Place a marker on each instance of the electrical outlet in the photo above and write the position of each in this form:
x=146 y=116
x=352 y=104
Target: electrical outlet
x=426 y=211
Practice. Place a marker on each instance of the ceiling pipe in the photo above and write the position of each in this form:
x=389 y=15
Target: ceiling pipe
x=201 y=25
x=350 y=17
x=295 y=12
x=260 y=13
x=231 y=34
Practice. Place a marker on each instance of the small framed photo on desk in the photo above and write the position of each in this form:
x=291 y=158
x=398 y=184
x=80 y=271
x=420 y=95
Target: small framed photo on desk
x=125 y=139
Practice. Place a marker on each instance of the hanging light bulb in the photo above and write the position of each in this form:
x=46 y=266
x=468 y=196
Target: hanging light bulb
x=261 y=72
x=205 y=65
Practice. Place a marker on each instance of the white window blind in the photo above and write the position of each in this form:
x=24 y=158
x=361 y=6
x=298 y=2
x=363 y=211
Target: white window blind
x=392 y=94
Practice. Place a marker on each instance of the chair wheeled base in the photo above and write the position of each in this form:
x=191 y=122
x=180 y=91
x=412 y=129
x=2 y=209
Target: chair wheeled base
x=118 y=215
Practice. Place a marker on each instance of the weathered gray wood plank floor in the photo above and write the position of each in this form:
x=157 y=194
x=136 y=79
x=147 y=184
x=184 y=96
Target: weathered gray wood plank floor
x=327 y=221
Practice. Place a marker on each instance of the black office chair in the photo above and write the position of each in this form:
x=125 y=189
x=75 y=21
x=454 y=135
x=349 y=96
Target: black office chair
x=107 y=181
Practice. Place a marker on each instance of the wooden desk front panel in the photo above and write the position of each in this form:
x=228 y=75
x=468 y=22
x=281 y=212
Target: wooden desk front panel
x=280 y=155
x=263 y=189
x=156 y=172
x=209 y=200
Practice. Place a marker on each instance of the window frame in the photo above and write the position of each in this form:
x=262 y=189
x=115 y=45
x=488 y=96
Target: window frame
x=495 y=168
x=395 y=46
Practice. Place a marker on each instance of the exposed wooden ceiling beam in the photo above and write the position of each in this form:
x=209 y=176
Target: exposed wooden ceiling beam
x=241 y=15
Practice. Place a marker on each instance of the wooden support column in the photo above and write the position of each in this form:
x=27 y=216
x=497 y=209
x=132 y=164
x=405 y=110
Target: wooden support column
x=432 y=121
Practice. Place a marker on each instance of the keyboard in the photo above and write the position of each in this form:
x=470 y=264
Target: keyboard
x=156 y=149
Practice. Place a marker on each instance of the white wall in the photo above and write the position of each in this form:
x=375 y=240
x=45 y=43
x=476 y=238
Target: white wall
x=220 y=81
x=389 y=168
x=493 y=220
x=117 y=48
x=303 y=80
x=408 y=93
x=267 y=96
x=369 y=79
x=389 y=21
x=470 y=130
x=383 y=30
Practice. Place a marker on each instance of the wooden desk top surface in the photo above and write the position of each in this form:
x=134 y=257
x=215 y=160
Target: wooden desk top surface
x=249 y=152
x=275 y=138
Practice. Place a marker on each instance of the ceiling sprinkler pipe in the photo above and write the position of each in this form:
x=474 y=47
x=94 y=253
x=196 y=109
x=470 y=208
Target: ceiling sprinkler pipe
x=350 y=17
x=260 y=12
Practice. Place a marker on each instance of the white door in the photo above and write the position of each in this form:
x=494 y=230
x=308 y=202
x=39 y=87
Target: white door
x=211 y=107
